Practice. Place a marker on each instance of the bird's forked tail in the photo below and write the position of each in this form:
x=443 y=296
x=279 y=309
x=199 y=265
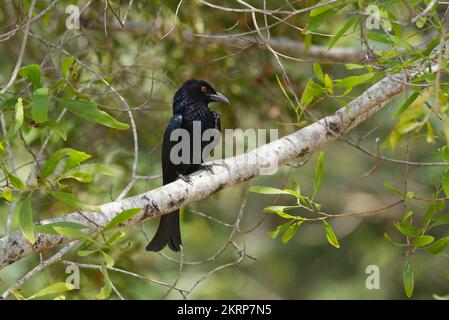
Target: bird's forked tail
x=167 y=233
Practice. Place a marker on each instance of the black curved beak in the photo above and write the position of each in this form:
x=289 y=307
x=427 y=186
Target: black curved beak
x=218 y=97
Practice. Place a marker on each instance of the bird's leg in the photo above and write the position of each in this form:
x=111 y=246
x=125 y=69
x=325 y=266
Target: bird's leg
x=206 y=167
x=184 y=178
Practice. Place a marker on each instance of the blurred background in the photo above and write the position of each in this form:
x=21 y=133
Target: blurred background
x=146 y=61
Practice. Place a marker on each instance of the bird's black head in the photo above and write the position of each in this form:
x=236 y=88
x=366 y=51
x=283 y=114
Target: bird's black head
x=196 y=92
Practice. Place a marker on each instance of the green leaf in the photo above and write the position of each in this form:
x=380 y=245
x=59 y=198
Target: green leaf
x=85 y=253
x=89 y=111
x=406 y=219
x=329 y=84
x=33 y=73
x=92 y=168
x=267 y=190
x=115 y=237
x=25 y=213
x=438 y=246
x=311 y=91
x=108 y=259
x=409 y=127
x=86 y=172
x=40 y=105
x=318 y=173
x=293 y=193
x=405 y=105
x=49 y=227
x=397 y=244
x=295 y=187
x=290 y=232
x=72 y=233
x=407 y=278
x=121 y=217
x=429 y=215
x=280 y=211
x=406 y=230
x=342 y=31
x=319 y=10
x=430 y=136
x=318 y=15
x=70 y=200
x=18 y=120
x=330 y=235
x=79 y=176
x=379 y=37
x=106 y=290
x=74 y=158
x=16 y=182
x=421 y=241
x=7 y=195
x=391 y=188
x=440 y=205
x=318 y=72
x=280 y=229
x=421 y=22
x=54 y=288
x=354 y=66
x=353 y=81
x=67 y=62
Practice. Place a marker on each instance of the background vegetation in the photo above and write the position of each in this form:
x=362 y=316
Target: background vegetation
x=146 y=57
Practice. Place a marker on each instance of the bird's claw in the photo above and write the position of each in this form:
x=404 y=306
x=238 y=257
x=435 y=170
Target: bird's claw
x=185 y=178
x=207 y=167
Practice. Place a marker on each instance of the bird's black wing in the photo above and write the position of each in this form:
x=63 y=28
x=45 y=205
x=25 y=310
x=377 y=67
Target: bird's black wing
x=208 y=146
x=217 y=125
x=217 y=121
x=168 y=231
x=168 y=171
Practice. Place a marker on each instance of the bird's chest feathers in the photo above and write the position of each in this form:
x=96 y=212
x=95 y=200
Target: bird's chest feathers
x=201 y=115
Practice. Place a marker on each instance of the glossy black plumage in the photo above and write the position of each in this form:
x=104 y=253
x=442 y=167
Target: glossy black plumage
x=190 y=104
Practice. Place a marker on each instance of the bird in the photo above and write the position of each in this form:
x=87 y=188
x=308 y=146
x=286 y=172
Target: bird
x=190 y=105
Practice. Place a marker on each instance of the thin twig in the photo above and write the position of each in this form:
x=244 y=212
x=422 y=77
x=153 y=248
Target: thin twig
x=16 y=70
x=129 y=273
x=39 y=268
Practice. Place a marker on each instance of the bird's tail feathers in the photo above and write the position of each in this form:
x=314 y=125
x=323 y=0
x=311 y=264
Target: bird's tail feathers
x=167 y=233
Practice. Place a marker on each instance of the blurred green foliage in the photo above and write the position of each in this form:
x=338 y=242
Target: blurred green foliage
x=89 y=161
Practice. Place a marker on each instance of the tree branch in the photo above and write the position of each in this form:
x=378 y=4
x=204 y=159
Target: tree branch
x=284 y=45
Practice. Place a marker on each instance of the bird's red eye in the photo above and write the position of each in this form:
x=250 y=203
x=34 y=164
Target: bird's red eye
x=203 y=89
